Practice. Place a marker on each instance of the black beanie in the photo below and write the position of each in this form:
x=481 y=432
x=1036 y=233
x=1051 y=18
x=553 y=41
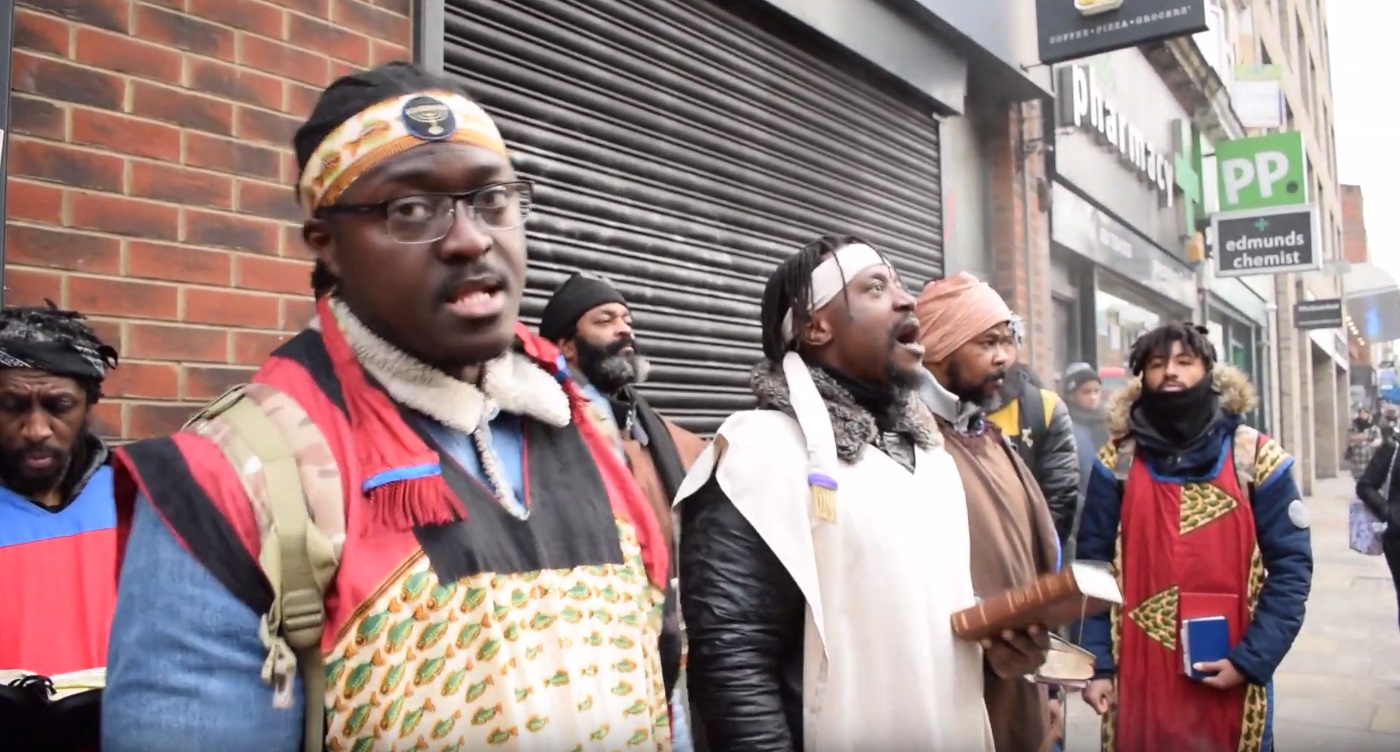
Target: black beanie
x=578 y=295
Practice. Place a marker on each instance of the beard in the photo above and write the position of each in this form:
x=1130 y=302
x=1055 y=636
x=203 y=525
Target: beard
x=607 y=369
x=983 y=392
x=901 y=380
x=34 y=483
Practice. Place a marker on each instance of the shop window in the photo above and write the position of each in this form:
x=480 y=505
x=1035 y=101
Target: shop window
x=1066 y=341
x=1122 y=318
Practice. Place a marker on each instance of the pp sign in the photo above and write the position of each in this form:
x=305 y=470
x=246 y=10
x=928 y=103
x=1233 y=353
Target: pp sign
x=1262 y=172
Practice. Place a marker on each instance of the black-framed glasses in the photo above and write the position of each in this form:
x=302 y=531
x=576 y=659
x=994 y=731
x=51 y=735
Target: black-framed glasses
x=428 y=217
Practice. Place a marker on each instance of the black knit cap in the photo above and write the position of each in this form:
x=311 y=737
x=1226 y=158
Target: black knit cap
x=1077 y=375
x=347 y=97
x=578 y=295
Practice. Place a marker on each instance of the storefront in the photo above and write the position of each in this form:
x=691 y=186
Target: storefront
x=1114 y=285
x=1238 y=323
x=681 y=148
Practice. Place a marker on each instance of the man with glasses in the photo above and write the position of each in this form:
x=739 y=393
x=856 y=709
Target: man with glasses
x=489 y=573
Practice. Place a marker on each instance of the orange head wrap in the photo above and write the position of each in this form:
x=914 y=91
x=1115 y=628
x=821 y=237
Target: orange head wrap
x=954 y=310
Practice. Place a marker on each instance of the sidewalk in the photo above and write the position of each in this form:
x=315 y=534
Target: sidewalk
x=1340 y=687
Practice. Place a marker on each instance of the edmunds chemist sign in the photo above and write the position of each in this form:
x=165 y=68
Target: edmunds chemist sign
x=1266 y=241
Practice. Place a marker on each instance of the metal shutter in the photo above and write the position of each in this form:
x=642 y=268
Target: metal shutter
x=681 y=150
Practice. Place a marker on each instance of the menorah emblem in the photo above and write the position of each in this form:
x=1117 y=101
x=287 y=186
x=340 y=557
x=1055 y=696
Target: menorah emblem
x=435 y=116
x=432 y=116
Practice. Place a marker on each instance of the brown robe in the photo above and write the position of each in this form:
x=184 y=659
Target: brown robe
x=1013 y=542
x=688 y=446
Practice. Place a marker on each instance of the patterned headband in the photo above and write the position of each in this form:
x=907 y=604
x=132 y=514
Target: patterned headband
x=386 y=129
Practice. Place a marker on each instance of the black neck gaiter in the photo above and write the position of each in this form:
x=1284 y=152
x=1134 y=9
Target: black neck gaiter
x=878 y=401
x=1180 y=417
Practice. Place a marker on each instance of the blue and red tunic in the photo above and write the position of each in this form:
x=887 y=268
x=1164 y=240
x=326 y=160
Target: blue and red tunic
x=59 y=586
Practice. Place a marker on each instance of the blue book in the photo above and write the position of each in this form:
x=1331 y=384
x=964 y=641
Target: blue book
x=1204 y=640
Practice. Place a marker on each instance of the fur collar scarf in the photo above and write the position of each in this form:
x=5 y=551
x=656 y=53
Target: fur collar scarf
x=1237 y=397
x=854 y=426
x=511 y=383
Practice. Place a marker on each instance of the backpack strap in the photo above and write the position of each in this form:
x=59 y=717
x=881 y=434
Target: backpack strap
x=1246 y=457
x=1034 y=419
x=296 y=557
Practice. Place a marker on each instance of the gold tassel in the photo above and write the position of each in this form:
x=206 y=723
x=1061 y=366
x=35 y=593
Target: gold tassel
x=824 y=502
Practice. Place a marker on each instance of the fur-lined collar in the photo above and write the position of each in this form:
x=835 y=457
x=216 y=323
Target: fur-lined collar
x=512 y=383
x=854 y=427
x=1236 y=397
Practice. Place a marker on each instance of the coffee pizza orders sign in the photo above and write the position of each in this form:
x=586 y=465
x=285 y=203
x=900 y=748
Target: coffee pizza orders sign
x=1074 y=29
x=1266 y=241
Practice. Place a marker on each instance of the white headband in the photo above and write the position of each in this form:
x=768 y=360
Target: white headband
x=831 y=277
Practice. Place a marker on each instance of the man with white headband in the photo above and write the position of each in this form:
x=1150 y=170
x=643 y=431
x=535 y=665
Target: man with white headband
x=824 y=535
x=353 y=552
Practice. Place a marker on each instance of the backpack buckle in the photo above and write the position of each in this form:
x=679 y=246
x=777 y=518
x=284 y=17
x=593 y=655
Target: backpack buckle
x=303 y=616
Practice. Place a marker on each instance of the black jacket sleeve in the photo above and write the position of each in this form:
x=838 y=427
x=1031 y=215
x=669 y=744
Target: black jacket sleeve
x=743 y=612
x=1058 y=471
x=671 y=641
x=1368 y=486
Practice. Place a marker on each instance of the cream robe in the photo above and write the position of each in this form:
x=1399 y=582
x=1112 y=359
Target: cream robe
x=882 y=669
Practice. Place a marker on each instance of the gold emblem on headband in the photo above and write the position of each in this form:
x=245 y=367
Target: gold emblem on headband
x=428 y=118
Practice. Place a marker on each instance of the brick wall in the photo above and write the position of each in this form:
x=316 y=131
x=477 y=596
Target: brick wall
x=1354 y=248
x=150 y=173
x=1023 y=283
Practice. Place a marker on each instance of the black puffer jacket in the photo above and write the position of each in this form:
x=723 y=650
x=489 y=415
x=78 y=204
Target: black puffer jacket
x=745 y=684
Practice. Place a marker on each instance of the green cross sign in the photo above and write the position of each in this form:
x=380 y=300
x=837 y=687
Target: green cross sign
x=1187 y=166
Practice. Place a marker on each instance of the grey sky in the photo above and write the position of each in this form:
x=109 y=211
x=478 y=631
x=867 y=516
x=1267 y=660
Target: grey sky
x=1364 y=127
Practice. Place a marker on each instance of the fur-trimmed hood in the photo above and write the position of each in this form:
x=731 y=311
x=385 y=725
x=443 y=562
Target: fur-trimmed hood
x=853 y=425
x=1236 y=397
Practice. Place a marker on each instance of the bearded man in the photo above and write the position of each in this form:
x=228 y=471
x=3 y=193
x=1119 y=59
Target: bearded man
x=1038 y=424
x=57 y=526
x=824 y=535
x=499 y=578
x=590 y=322
x=1203 y=519
x=965 y=328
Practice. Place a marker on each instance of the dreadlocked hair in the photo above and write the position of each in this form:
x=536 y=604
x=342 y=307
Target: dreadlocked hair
x=1158 y=342
x=49 y=323
x=789 y=288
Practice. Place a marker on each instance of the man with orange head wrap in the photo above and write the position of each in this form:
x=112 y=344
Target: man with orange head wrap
x=965 y=328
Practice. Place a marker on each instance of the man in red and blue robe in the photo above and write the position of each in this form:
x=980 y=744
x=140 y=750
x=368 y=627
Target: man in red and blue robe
x=57 y=529
x=57 y=537
x=1202 y=519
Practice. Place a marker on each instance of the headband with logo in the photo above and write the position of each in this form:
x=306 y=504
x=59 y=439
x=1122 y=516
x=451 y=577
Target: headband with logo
x=389 y=128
